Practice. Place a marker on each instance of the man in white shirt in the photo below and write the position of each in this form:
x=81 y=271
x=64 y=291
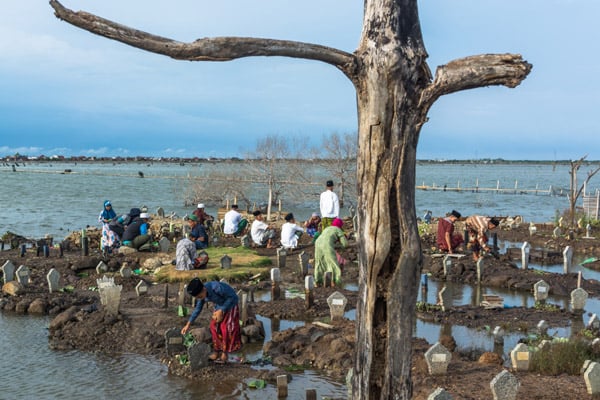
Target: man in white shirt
x=233 y=223
x=290 y=232
x=330 y=206
x=262 y=233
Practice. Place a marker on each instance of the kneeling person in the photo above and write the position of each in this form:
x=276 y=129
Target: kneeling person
x=262 y=233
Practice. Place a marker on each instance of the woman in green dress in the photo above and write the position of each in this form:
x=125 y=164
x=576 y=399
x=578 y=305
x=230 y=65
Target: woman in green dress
x=325 y=256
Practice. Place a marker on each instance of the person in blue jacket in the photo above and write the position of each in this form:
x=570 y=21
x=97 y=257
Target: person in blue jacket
x=225 y=322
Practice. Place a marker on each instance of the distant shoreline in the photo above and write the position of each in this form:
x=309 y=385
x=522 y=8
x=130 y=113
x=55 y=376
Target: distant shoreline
x=22 y=159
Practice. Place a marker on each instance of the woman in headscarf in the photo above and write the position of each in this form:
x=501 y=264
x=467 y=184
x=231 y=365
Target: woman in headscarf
x=225 y=322
x=109 y=240
x=326 y=259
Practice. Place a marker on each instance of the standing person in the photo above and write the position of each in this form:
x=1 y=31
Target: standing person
x=478 y=226
x=233 y=223
x=447 y=240
x=329 y=205
x=326 y=259
x=261 y=232
x=225 y=322
x=313 y=224
x=109 y=240
x=290 y=232
x=198 y=233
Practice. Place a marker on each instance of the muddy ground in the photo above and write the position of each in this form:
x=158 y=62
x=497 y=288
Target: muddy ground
x=80 y=322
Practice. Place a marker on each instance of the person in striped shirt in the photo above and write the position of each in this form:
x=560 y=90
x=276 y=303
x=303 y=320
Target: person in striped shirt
x=478 y=227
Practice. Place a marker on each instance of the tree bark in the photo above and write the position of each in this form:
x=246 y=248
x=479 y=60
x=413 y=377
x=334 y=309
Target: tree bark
x=394 y=93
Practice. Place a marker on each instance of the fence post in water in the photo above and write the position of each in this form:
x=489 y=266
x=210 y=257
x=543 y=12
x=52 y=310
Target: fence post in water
x=525 y=255
x=275 y=279
x=309 y=289
x=282 y=386
x=567 y=259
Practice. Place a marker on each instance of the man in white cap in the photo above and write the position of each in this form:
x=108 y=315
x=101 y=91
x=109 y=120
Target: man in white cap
x=137 y=233
x=329 y=205
x=203 y=217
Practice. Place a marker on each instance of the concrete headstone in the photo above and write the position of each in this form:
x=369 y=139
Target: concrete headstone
x=578 y=299
x=125 y=271
x=303 y=259
x=53 y=277
x=141 y=288
x=101 y=268
x=225 y=262
x=164 y=244
x=567 y=259
x=23 y=274
x=174 y=341
x=337 y=305
x=592 y=379
x=438 y=358
x=8 y=270
x=520 y=357
x=281 y=257
x=198 y=355
x=504 y=386
x=594 y=323
x=440 y=394
x=541 y=290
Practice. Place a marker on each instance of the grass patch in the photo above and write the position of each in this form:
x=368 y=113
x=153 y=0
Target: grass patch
x=562 y=357
x=245 y=263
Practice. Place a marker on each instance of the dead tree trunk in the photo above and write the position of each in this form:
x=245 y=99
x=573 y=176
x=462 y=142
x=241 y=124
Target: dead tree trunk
x=394 y=92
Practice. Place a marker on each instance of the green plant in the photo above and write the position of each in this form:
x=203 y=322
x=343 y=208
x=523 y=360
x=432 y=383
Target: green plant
x=561 y=357
x=546 y=306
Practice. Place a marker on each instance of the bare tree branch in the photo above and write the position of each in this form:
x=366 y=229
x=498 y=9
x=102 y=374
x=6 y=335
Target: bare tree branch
x=205 y=49
x=474 y=72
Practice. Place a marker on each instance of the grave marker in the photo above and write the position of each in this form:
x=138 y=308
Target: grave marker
x=101 y=268
x=447 y=262
x=275 y=279
x=125 y=271
x=438 y=358
x=479 y=269
x=141 y=288
x=542 y=327
x=592 y=379
x=578 y=299
x=225 y=262
x=520 y=357
x=567 y=259
x=556 y=232
x=439 y=394
x=281 y=257
x=541 y=289
x=8 y=270
x=52 y=277
x=110 y=294
x=445 y=299
x=594 y=323
x=282 y=386
x=160 y=212
x=245 y=241
x=525 y=249
x=337 y=305
x=309 y=289
x=505 y=386
x=198 y=355
x=174 y=341
x=164 y=244
x=498 y=334
x=303 y=259
x=23 y=275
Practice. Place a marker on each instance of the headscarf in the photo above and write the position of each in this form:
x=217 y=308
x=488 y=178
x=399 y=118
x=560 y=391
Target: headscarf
x=338 y=223
x=108 y=214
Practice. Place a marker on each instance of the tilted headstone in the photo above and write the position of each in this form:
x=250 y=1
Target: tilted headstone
x=337 y=305
x=438 y=358
x=245 y=241
x=8 y=270
x=160 y=212
x=53 y=277
x=125 y=271
x=525 y=249
x=225 y=262
x=164 y=244
x=592 y=379
x=198 y=355
x=445 y=299
x=303 y=260
x=23 y=274
x=542 y=327
x=556 y=233
x=578 y=299
x=101 y=268
x=174 y=341
x=110 y=294
x=440 y=394
x=520 y=357
x=541 y=290
x=504 y=386
x=567 y=259
x=447 y=263
x=594 y=323
x=141 y=288
x=281 y=257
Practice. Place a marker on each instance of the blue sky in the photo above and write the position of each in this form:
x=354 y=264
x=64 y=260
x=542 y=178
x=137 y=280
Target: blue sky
x=66 y=91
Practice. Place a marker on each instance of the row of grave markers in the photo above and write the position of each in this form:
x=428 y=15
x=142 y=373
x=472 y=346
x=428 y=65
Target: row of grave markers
x=505 y=385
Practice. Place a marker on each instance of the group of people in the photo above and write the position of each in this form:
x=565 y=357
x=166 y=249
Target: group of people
x=130 y=229
x=477 y=227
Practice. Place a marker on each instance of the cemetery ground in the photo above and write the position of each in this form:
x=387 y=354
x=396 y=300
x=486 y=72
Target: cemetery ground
x=80 y=322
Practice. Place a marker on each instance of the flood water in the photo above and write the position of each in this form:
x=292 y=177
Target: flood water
x=44 y=202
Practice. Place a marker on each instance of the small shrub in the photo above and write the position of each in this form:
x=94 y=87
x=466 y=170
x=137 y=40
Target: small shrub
x=561 y=358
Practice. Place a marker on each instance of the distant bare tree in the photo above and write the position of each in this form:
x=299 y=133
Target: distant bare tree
x=574 y=191
x=339 y=159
